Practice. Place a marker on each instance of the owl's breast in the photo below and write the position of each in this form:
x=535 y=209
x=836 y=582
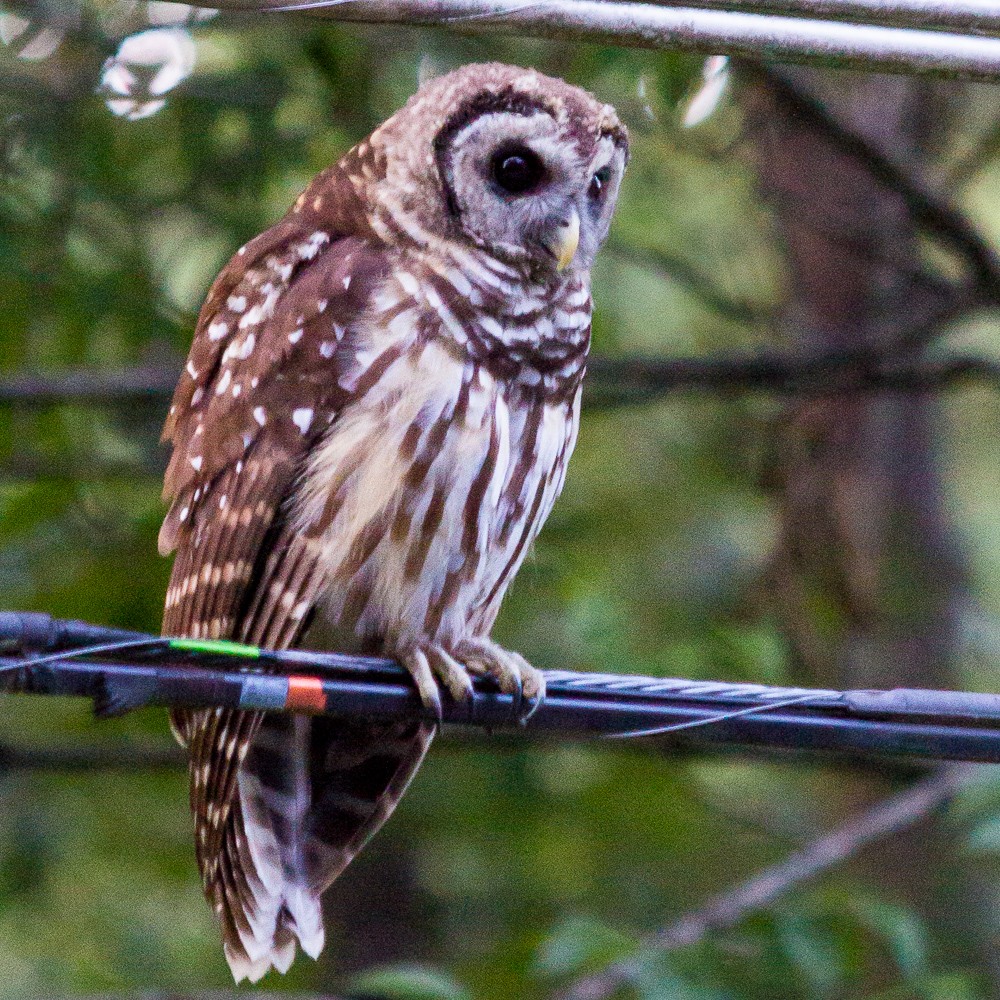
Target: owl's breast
x=425 y=495
x=534 y=336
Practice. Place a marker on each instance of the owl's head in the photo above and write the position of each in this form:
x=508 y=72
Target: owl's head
x=524 y=166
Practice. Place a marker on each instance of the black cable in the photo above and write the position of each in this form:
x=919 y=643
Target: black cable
x=42 y=655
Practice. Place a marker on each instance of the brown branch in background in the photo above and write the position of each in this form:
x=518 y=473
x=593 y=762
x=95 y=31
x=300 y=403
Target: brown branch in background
x=83 y=386
x=618 y=381
x=768 y=886
x=866 y=578
x=931 y=212
x=33 y=468
x=214 y=995
x=103 y=758
x=674 y=268
x=612 y=381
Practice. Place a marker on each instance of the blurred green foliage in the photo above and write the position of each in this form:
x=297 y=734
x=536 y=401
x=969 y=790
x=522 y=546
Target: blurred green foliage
x=527 y=866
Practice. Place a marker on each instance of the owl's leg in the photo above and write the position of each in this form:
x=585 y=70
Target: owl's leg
x=512 y=672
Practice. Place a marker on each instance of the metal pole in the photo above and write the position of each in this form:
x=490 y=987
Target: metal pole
x=976 y=16
x=644 y=25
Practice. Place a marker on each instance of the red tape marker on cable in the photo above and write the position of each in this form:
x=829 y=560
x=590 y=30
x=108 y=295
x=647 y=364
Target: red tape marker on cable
x=306 y=694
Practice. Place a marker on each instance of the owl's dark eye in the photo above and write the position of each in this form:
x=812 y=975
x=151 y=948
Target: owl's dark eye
x=598 y=182
x=517 y=170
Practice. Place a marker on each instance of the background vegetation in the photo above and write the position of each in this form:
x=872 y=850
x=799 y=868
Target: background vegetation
x=845 y=540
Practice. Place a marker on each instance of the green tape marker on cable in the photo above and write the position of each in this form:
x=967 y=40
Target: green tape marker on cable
x=221 y=646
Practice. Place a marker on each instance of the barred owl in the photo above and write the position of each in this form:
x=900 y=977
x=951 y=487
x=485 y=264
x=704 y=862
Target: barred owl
x=374 y=422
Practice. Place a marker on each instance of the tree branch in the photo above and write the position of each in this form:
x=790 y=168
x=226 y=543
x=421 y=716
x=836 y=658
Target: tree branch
x=611 y=381
x=676 y=269
x=619 y=381
x=977 y=15
x=934 y=214
x=83 y=386
x=104 y=758
x=762 y=890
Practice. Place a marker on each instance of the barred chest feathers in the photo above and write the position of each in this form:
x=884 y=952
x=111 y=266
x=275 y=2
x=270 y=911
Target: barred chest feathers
x=427 y=495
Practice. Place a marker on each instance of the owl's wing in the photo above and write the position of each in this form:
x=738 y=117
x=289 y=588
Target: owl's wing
x=281 y=804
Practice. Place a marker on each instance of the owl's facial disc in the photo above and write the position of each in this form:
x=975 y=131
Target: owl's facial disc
x=526 y=188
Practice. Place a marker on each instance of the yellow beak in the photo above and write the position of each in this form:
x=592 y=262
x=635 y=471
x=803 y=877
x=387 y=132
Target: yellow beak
x=567 y=241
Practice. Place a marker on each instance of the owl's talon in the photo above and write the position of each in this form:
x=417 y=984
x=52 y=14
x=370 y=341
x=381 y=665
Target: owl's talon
x=433 y=702
x=533 y=705
x=511 y=671
x=517 y=698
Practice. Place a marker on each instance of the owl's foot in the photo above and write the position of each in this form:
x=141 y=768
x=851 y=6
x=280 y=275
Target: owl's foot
x=512 y=672
x=433 y=667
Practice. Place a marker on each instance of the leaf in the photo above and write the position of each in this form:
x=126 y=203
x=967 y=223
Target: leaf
x=655 y=979
x=581 y=944
x=985 y=836
x=900 y=928
x=812 y=949
x=407 y=982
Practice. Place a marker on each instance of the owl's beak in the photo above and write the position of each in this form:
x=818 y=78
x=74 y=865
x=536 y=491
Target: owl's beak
x=566 y=239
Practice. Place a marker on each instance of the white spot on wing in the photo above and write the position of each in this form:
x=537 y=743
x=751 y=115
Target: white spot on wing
x=310 y=247
x=302 y=418
x=262 y=310
x=217 y=330
x=260 y=415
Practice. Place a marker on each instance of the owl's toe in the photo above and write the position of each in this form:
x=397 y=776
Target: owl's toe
x=417 y=663
x=452 y=674
x=433 y=667
x=511 y=671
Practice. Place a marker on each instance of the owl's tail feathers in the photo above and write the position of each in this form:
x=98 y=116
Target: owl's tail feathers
x=279 y=908
x=311 y=794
